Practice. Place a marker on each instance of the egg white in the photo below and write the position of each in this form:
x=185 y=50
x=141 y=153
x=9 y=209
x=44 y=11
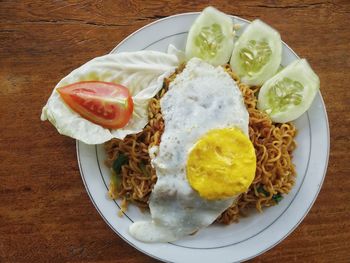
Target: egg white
x=200 y=98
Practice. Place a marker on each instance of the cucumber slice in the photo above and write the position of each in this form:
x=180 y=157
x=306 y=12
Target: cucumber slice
x=211 y=37
x=257 y=53
x=287 y=95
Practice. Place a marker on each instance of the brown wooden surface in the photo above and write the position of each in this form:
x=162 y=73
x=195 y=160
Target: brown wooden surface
x=45 y=213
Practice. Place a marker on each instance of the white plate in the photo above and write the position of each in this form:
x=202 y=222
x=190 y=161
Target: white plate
x=252 y=235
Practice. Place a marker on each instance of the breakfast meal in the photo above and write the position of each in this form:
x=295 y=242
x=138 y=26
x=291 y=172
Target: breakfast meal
x=194 y=136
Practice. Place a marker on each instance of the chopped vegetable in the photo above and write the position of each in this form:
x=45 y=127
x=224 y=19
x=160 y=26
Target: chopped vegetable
x=119 y=162
x=262 y=190
x=290 y=92
x=277 y=198
x=115 y=184
x=116 y=179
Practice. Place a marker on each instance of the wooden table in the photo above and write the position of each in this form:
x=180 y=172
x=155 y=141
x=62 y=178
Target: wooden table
x=45 y=213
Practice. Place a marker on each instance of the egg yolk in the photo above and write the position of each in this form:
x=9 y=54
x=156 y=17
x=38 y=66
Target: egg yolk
x=221 y=164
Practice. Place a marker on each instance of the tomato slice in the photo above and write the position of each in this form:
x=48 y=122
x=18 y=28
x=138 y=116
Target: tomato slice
x=104 y=103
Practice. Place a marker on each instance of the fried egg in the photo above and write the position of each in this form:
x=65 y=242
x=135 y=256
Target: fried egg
x=205 y=158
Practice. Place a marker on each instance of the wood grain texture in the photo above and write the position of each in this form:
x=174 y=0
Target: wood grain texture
x=45 y=213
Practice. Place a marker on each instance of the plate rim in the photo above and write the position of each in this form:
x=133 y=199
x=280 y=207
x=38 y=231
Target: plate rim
x=305 y=213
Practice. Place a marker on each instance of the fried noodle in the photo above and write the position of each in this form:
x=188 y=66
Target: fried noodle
x=273 y=143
